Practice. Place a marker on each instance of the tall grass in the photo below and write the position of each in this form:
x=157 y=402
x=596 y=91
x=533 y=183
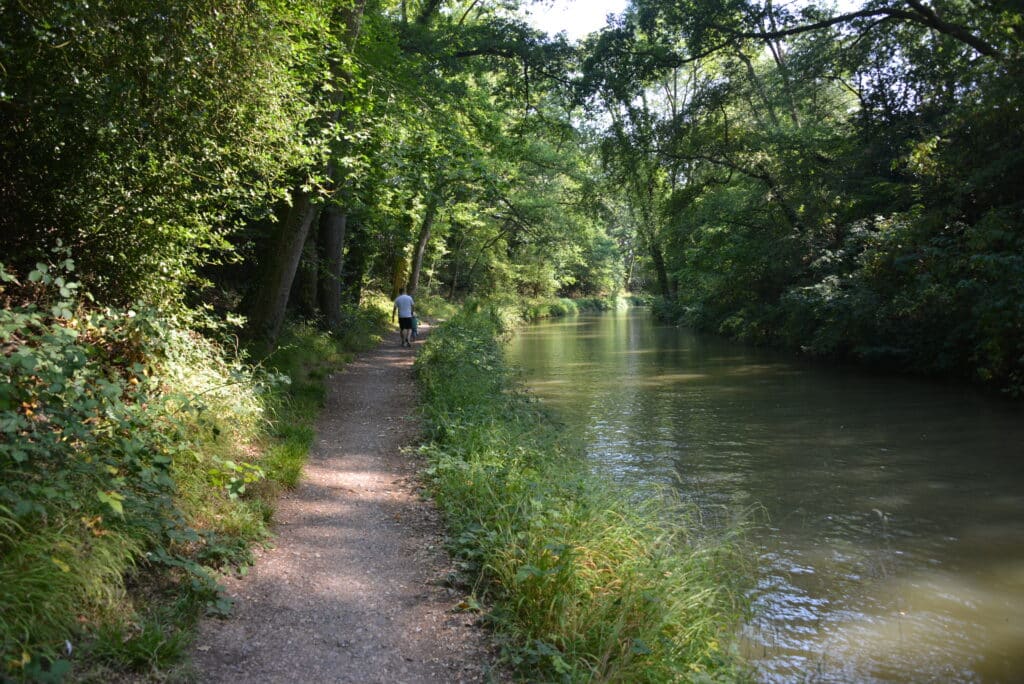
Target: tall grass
x=588 y=582
x=138 y=459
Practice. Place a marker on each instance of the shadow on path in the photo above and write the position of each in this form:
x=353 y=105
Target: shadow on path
x=352 y=590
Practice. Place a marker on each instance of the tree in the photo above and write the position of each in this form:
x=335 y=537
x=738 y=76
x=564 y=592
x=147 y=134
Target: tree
x=304 y=209
x=140 y=133
x=818 y=190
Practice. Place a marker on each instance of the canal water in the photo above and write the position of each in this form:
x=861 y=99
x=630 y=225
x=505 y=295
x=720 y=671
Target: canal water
x=888 y=512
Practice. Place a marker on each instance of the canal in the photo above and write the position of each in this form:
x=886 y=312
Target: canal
x=887 y=513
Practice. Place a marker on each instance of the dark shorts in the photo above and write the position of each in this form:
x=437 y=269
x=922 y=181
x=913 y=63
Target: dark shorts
x=405 y=323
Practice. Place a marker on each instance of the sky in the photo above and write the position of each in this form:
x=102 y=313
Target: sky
x=580 y=17
x=576 y=17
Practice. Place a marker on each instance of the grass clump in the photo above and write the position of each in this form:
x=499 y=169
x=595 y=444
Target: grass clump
x=588 y=582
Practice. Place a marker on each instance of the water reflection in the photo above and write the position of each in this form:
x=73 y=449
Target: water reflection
x=893 y=541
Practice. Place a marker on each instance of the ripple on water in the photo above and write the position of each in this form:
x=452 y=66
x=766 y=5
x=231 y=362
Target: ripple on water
x=892 y=523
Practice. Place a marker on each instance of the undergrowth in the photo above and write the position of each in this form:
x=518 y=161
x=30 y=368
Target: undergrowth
x=533 y=309
x=588 y=582
x=139 y=460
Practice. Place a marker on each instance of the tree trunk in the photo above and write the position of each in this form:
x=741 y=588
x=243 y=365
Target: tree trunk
x=265 y=321
x=421 y=245
x=455 y=261
x=629 y=270
x=354 y=265
x=331 y=233
x=333 y=222
x=272 y=300
x=649 y=235
x=303 y=292
x=659 y=267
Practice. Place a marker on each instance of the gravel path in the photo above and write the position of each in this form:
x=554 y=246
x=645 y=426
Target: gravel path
x=353 y=590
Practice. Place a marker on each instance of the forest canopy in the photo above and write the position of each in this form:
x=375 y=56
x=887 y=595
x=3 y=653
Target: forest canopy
x=844 y=182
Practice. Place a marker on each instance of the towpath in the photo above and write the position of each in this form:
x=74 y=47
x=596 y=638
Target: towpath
x=353 y=589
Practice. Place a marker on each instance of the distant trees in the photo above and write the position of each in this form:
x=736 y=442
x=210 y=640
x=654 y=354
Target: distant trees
x=846 y=184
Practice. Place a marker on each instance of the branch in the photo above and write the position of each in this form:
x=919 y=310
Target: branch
x=493 y=51
x=922 y=15
x=932 y=19
x=466 y=13
x=761 y=175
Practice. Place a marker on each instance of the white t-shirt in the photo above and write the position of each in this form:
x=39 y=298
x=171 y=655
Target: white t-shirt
x=404 y=306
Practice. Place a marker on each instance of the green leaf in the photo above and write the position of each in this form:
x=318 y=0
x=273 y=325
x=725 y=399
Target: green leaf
x=640 y=647
x=527 y=571
x=112 y=499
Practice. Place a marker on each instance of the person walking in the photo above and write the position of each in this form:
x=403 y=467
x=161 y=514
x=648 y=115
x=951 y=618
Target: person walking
x=404 y=310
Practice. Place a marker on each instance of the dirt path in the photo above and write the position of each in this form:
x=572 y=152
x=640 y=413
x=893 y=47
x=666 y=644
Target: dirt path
x=353 y=590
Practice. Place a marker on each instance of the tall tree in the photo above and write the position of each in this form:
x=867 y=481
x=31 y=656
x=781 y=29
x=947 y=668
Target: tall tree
x=139 y=133
x=286 y=252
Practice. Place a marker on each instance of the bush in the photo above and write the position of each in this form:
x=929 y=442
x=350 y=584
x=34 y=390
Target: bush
x=535 y=309
x=435 y=306
x=137 y=459
x=89 y=442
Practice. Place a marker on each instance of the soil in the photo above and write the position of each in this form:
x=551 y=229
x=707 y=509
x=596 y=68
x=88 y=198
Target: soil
x=355 y=587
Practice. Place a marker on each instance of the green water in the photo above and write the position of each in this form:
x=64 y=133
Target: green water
x=891 y=532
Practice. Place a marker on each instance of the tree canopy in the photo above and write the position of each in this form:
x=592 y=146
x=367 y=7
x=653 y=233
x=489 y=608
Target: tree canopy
x=843 y=182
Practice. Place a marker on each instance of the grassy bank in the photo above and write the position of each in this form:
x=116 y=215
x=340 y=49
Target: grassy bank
x=139 y=460
x=552 y=307
x=588 y=582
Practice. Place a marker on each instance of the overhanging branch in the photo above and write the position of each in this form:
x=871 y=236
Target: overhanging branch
x=919 y=13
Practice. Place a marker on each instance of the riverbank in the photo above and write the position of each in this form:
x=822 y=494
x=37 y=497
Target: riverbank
x=587 y=581
x=886 y=512
x=140 y=460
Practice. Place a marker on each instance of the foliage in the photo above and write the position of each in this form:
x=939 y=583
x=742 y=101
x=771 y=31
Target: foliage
x=164 y=146
x=88 y=449
x=533 y=309
x=840 y=184
x=135 y=456
x=588 y=582
x=138 y=132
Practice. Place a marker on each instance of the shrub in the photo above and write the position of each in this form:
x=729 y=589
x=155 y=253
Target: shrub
x=125 y=446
